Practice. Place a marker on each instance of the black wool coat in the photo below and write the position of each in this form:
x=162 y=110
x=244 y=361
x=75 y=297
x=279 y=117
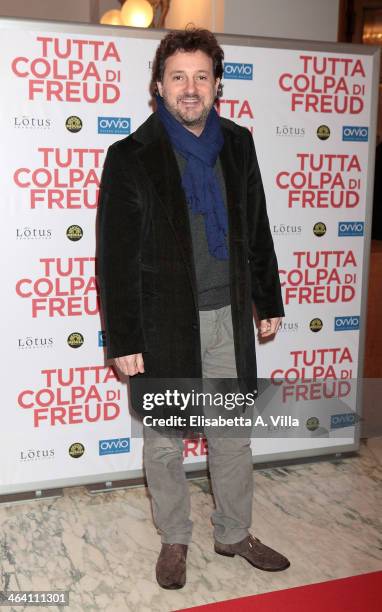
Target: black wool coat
x=145 y=259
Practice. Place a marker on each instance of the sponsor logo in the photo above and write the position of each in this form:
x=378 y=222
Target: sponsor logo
x=36 y=454
x=235 y=70
x=75 y=340
x=288 y=326
x=348 y=419
x=73 y=124
x=114 y=125
x=76 y=450
x=312 y=423
x=33 y=233
x=323 y=132
x=289 y=130
x=316 y=325
x=74 y=233
x=351 y=228
x=355 y=133
x=34 y=343
x=101 y=338
x=346 y=323
x=319 y=229
x=281 y=229
x=114 y=446
x=31 y=123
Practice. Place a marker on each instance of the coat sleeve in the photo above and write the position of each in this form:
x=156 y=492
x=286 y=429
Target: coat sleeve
x=266 y=290
x=119 y=246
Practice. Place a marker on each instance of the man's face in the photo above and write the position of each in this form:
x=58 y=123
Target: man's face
x=189 y=88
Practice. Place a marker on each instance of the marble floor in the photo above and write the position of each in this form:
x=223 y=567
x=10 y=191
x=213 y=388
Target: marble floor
x=325 y=516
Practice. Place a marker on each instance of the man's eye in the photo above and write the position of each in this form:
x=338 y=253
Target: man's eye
x=202 y=77
x=177 y=77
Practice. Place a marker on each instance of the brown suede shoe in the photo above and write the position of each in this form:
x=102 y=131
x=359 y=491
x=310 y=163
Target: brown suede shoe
x=171 y=566
x=256 y=553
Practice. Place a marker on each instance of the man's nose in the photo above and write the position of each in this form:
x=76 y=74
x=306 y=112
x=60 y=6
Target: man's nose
x=190 y=86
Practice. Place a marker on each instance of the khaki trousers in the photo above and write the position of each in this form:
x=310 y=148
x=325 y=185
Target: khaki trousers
x=230 y=459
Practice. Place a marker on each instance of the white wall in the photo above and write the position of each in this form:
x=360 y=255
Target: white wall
x=107 y=5
x=309 y=19
x=203 y=13
x=61 y=10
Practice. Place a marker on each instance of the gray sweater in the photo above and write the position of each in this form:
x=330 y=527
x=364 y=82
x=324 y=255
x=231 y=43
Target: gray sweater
x=212 y=274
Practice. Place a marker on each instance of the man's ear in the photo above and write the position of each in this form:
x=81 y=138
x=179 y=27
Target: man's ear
x=217 y=83
x=160 y=88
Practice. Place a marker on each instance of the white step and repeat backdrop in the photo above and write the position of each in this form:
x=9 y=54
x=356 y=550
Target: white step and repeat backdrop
x=67 y=94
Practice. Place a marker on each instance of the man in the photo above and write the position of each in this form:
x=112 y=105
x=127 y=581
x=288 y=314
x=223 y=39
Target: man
x=184 y=249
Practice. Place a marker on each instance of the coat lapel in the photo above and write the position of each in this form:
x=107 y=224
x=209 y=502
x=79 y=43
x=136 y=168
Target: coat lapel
x=230 y=161
x=161 y=166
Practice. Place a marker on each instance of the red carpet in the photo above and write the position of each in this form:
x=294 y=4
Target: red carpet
x=355 y=594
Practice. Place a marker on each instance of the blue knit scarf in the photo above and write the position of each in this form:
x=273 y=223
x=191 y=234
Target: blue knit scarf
x=199 y=180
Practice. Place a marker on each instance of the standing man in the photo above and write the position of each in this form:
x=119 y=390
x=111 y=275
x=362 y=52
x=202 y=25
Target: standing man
x=185 y=249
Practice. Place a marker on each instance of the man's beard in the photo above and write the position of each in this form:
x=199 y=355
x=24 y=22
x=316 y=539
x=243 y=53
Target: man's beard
x=183 y=118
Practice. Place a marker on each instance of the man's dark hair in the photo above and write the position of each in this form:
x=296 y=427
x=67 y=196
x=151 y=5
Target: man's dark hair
x=189 y=40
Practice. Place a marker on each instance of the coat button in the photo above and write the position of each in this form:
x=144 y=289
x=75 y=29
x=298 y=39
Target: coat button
x=195 y=326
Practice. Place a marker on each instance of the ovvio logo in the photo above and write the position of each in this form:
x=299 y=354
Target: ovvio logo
x=351 y=228
x=348 y=419
x=114 y=446
x=346 y=323
x=355 y=132
x=114 y=125
x=101 y=338
x=234 y=70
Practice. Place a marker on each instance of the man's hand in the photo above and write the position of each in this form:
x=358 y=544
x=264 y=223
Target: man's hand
x=130 y=364
x=268 y=327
